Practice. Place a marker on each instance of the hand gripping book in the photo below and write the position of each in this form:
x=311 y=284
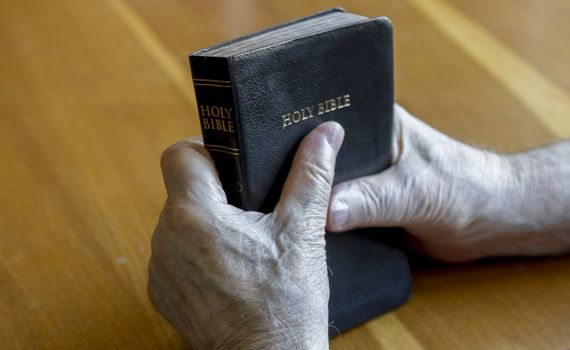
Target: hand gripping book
x=260 y=94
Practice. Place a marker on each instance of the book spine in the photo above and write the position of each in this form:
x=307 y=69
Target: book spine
x=218 y=119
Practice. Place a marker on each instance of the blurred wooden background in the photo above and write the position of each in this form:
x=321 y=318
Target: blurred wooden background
x=91 y=92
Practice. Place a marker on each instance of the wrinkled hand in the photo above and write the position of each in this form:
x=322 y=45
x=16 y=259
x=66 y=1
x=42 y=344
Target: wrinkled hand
x=457 y=202
x=226 y=278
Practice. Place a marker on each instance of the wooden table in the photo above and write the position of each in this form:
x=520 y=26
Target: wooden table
x=91 y=92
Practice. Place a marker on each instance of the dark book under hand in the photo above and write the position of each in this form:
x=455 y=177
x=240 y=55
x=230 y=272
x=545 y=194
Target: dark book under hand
x=260 y=94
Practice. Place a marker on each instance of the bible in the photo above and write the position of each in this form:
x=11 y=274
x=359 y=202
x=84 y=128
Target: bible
x=260 y=94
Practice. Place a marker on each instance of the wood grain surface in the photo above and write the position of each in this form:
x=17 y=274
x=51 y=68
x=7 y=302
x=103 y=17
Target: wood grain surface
x=92 y=92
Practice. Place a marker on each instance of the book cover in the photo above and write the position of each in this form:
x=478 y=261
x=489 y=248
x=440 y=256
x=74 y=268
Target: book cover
x=260 y=94
x=255 y=106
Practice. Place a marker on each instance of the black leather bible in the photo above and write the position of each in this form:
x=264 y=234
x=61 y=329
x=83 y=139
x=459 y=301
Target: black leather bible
x=260 y=94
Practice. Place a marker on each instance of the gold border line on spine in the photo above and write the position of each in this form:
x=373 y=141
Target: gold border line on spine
x=222 y=149
x=212 y=82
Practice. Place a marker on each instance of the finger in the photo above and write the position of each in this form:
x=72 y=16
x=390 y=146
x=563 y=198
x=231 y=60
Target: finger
x=354 y=203
x=372 y=201
x=307 y=189
x=384 y=199
x=189 y=173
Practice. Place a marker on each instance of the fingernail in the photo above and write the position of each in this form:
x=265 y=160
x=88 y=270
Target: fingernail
x=338 y=213
x=335 y=135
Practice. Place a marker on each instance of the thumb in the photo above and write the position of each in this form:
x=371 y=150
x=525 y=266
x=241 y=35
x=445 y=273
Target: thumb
x=371 y=201
x=307 y=189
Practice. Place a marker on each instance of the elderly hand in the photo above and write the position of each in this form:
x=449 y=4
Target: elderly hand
x=226 y=278
x=460 y=203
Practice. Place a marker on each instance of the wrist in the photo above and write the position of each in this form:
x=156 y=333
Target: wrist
x=526 y=198
x=267 y=331
x=525 y=214
x=487 y=196
x=489 y=187
x=542 y=189
x=287 y=338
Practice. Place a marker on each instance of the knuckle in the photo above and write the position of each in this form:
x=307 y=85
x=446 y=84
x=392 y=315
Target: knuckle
x=183 y=200
x=172 y=151
x=312 y=222
x=176 y=224
x=180 y=148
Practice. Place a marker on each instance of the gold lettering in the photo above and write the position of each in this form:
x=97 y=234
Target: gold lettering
x=321 y=108
x=307 y=112
x=339 y=102
x=286 y=120
x=326 y=106
x=333 y=105
x=304 y=115
x=216 y=118
x=205 y=110
x=296 y=117
x=215 y=110
x=228 y=112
